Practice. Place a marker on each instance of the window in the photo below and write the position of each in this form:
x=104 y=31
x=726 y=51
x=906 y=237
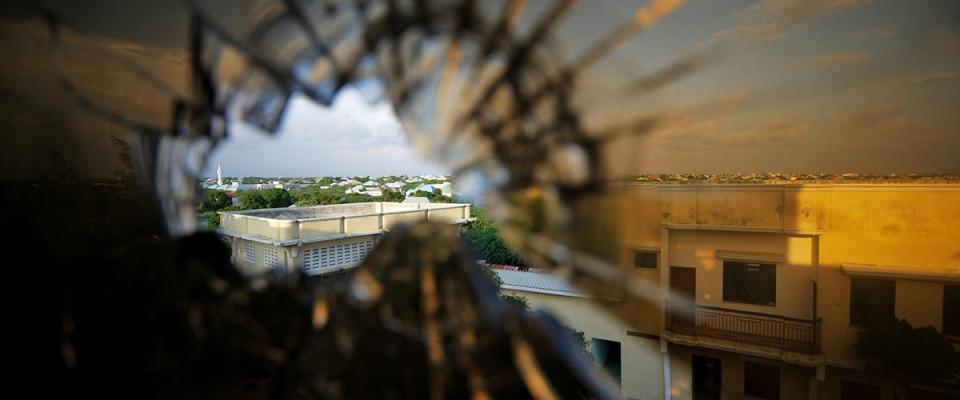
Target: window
x=645 y=259
x=750 y=283
x=607 y=355
x=923 y=394
x=871 y=301
x=340 y=255
x=951 y=310
x=249 y=252
x=858 y=391
x=706 y=378
x=270 y=257
x=761 y=380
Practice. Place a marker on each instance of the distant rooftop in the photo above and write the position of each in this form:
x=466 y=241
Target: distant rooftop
x=533 y=280
x=315 y=223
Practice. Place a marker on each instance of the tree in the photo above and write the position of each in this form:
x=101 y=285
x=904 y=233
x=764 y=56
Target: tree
x=393 y=196
x=512 y=299
x=277 y=198
x=490 y=247
x=213 y=217
x=581 y=339
x=252 y=200
x=484 y=238
x=317 y=199
x=908 y=355
x=214 y=200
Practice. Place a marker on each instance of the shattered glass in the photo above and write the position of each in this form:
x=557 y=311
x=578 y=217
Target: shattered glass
x=487 y=89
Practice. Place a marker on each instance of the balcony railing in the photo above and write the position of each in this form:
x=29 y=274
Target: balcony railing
x=789 y=334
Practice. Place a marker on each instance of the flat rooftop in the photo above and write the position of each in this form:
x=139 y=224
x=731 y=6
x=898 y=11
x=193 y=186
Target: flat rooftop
x=339 y=210
x=292 y=225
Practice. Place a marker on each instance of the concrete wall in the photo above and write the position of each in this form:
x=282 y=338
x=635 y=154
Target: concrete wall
x=911 y=226
x=641 y=359
x=794 y=380
x=699 y=249
x=257 y=267
x=297 y=263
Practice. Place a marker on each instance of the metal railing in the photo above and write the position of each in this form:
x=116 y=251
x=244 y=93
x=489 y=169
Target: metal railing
x=790 y=334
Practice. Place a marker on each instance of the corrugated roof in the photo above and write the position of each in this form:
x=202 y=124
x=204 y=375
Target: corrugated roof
x=534 y=281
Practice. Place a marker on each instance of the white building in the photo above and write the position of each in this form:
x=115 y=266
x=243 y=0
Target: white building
x=321 y=239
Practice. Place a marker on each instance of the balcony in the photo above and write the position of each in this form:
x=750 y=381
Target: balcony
x=774 y=331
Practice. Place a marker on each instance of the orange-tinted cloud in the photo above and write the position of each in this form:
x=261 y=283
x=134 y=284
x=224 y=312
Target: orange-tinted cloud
x=940 y=76
x=877 y=33
x=831 y=59
x=768 y=19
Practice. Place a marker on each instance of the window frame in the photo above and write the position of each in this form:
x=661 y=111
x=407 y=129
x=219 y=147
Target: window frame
x=748 y=366
x=727 y=291
x=654 y=253
x=952 y=304
x=860 y=322
x=249 y=251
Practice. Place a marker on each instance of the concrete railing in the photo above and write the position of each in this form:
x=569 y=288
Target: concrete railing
x=388 y=215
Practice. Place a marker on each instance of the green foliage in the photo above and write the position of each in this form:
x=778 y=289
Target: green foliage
x=277 y=198
x=512 y=299
x=214 y=200
x=317 y=199
x=490 y=246
x=357 y=198
x=515 y=300
x=393 y=196
x=435 y=197
x=269 y=198
x=483 y=236
x=907 y=354
x=252 y=200
x=493 y=277
x=213 y=219
x=581 y=339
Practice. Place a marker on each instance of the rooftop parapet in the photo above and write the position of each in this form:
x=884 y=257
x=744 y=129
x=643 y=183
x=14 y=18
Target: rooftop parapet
x=283 y=226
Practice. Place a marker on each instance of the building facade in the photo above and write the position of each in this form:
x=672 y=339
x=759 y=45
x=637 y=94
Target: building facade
x=321 y=239
x=762 y=289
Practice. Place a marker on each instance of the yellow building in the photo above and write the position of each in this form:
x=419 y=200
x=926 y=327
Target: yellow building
x=762 y=287
x=321 y=239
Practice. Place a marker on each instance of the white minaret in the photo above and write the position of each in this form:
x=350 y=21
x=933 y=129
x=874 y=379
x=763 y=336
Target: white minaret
x=219 y=176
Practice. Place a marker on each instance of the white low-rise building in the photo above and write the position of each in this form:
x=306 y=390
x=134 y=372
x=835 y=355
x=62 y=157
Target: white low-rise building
x=321 y=239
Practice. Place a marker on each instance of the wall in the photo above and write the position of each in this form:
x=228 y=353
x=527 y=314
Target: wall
x=917 y=227
x=698 y=249
x=297 y=263
x=794 y=380
x=641 y=362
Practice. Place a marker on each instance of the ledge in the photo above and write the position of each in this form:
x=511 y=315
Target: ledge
x=751 y=256
x=750 y=229
x=903 y=272
x=789 y=357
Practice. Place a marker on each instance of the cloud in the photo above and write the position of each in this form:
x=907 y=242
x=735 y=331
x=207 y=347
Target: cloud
x=832 y=59
x=784 y=131
x=351 y=137
x=769 y=19
x=940 y=76
x=876 y=33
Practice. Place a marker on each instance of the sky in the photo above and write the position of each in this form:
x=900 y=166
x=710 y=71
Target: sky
x=355 y=136
x=784 y=85
x=794 y=86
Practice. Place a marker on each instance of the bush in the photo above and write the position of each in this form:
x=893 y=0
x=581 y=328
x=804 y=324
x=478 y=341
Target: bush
x=907 y=354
